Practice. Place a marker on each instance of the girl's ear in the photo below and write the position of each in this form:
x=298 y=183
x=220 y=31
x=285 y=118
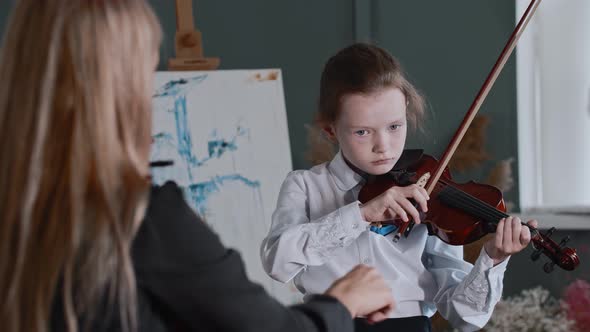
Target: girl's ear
x=330 y=133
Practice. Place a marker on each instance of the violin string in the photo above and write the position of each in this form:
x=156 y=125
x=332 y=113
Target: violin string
x=472 y=203
x=463 y=197
x=480 y=207
x=460 y=200
x=477 y=206
x=490 y=210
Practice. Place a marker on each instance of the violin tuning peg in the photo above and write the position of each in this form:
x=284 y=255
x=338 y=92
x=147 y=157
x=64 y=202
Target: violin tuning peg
x=396 y=238
x=548 y=267
x=535 y=255
x=564 y=241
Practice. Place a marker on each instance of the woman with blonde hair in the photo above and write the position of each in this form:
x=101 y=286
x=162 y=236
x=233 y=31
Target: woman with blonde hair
x=80 y=246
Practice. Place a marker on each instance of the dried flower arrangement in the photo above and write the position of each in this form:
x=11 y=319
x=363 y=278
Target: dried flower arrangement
x=471 y=151
x=533 y=310
x=501 y=177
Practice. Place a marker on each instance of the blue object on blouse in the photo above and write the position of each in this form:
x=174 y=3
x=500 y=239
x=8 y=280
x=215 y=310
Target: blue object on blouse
x=383 y=230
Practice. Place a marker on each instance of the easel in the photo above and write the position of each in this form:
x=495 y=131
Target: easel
x=188 y=43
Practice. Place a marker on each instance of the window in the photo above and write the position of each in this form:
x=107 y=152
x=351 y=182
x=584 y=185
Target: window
x=553 y=96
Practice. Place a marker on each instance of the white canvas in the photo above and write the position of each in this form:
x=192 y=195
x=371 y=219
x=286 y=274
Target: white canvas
x=226 y=132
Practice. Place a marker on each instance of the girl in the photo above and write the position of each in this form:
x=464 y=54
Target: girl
x=319 y=228
x=76 y=252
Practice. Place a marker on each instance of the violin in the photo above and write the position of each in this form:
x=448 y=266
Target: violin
x=460 y=214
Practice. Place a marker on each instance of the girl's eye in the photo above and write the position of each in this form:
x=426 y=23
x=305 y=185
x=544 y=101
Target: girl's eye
x=361 y=132
x=394 y=127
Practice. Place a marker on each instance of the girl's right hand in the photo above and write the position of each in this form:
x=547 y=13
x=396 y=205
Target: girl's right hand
x=395 y=202
x=364 y=292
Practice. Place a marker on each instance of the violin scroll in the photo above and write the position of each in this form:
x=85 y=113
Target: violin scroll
x=560 y=255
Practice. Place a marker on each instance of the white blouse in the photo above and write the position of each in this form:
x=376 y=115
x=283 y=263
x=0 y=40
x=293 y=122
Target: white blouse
x=318 y=235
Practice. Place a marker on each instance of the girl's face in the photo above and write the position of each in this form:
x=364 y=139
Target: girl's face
x=371 y=129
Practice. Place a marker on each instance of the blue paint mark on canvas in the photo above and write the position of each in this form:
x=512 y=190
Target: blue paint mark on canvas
x=181 y=146
x=216 y=148
x=200 y=192
x=179 y=87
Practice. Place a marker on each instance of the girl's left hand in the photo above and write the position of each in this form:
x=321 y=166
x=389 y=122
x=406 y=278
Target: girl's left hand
x=511 y=237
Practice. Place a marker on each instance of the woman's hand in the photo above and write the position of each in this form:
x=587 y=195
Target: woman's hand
x=364 y=292
x=395 y=202
x=511 y=237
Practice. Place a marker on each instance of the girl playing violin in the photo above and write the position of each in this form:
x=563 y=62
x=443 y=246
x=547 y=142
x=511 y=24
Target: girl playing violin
x=320 y=230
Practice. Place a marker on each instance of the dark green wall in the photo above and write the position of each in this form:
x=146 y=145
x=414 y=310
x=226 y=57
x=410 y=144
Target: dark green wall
x=5 y=7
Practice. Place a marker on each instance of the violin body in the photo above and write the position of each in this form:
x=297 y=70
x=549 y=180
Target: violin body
x=452 y=225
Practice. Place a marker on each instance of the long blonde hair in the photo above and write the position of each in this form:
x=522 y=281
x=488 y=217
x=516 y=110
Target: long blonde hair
x=75 y=123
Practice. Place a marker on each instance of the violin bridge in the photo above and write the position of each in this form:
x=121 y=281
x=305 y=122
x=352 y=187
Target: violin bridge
x=423 y=179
